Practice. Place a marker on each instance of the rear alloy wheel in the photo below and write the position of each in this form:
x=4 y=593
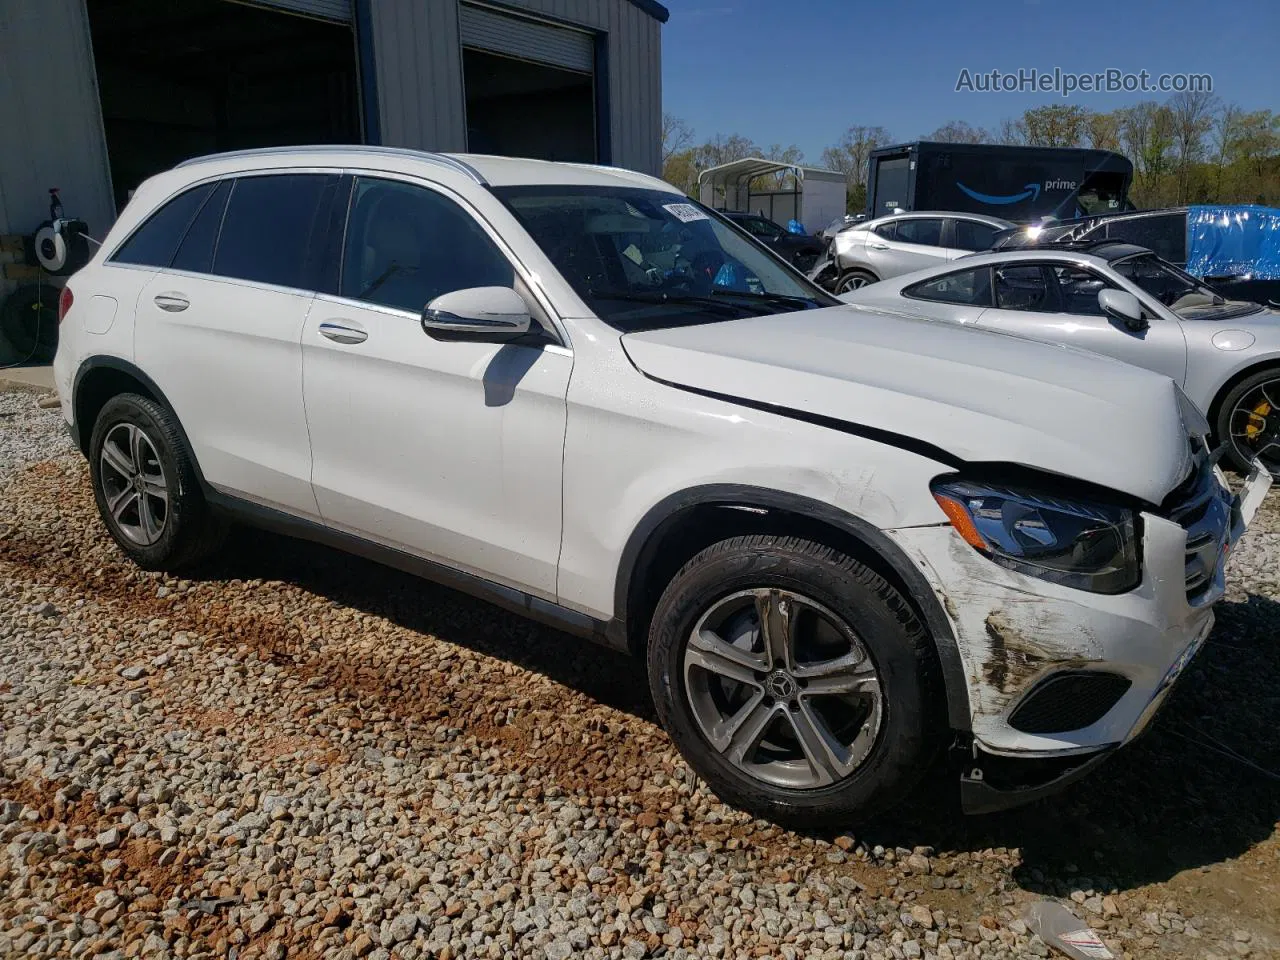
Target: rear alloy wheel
x=146 y=486
x=795 y=680
x=854 y=280
x=133 y=484
x=1250 y=422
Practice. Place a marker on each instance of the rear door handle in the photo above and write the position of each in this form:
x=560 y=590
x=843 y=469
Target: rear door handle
x=343 y=331
x=172 y=302
x=878 y=246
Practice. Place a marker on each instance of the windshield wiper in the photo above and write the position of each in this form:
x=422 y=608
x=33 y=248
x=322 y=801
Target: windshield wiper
x=661 y=298
x=785 y=299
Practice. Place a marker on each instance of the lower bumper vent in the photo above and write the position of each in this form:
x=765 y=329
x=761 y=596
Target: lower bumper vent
x=1068 y=701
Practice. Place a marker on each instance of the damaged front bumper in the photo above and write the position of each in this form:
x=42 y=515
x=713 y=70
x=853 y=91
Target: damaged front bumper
x=1058 y=678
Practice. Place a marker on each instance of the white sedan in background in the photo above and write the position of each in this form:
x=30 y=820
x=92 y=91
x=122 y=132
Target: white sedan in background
x=1124 y=301
x=873 y=250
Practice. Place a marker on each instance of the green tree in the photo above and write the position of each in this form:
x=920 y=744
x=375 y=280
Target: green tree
x=1226 y=132
x=1258 y=140
x=960 y=131
x=1012 y=132
x=1055 y=125
x=1146 y=132
x=850 y=157
x=1191 y=116
x=1102 y=130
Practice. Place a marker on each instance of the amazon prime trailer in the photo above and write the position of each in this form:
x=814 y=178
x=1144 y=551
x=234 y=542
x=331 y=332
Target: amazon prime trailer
x=1023 y=184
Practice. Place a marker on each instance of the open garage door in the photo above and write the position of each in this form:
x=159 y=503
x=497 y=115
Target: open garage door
x=336 y=10
x=530 y=86
x=189 y=77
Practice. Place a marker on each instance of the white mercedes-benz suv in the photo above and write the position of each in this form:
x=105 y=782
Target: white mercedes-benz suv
x=842 y=540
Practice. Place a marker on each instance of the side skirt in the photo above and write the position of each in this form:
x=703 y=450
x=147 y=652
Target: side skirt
x=508 y=598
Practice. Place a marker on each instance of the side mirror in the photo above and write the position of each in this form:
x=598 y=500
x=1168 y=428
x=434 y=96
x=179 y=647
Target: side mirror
x=477 y=315
x=1124 y=308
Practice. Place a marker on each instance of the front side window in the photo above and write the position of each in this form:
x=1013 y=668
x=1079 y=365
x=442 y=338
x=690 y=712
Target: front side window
x=642 y=258
x=270 y=226
x=407 y=245
x=1022 y=287
x=153 y=244
x=1078 y=289
x=924 y=231
x=1179 y=291
x=969 y=287
x=971 y=235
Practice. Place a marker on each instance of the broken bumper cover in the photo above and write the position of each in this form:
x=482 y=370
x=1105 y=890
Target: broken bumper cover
x=1015 y=632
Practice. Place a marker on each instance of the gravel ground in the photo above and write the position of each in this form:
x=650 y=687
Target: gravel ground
x=28 y=433
x=296 y=753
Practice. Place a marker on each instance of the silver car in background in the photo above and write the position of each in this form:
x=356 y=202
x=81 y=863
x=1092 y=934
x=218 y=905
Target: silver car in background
x=890 y=246
x=1120 y=300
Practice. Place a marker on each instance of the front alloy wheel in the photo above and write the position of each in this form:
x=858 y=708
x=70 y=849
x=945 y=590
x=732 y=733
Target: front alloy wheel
x=796 y=681
x=783 y=688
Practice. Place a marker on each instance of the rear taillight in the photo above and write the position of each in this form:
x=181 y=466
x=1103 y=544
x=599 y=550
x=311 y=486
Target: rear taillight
x=65 y=299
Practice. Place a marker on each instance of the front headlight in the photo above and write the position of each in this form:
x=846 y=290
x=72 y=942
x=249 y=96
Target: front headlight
x=1089 y=546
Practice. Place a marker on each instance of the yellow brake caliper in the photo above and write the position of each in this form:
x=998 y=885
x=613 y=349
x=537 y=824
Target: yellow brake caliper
x=1257 y=420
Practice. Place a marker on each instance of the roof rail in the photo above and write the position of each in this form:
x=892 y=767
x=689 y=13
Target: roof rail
x=453 y=163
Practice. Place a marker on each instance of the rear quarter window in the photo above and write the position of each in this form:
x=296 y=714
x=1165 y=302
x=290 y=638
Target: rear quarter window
x=968 y=287
x=154 y=243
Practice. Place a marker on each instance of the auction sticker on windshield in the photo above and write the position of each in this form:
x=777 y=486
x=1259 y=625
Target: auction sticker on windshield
x=684 y=212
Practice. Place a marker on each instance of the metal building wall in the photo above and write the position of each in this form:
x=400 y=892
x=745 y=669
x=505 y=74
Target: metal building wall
x=419 y=73
x=50 y=120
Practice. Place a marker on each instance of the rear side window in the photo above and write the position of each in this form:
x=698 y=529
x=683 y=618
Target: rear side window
x=1022 y=288
x=887 y=230
x=925 y=232
x=969 y=287
x=971 y=235
x=195 y=253
x=269 y=228
x=154 y=243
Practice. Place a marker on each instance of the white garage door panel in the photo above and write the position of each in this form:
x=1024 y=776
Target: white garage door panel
x=323 y=9
x=527 y=39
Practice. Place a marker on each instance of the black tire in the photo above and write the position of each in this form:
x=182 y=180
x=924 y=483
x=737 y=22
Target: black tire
x=29 y=321
x=190 y=532
x=1237 y=456
x=843 y=285
x=912 y=722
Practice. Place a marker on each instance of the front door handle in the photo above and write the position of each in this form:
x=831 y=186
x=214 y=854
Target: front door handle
x=172 y=302
x=343 y=331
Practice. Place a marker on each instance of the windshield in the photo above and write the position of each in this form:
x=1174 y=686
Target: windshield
x=1180 y=292
x=648 y=258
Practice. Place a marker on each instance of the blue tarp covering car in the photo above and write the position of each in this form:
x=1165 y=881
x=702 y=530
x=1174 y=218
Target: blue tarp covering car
x=1233 y=241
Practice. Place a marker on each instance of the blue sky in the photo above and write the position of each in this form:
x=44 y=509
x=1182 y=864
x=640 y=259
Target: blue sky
x=803 y=71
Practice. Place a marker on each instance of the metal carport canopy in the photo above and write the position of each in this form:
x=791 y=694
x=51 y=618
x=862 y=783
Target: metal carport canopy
x=746 y=169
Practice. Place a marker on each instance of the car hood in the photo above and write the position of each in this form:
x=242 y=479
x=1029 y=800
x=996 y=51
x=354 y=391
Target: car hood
x=981 y=397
